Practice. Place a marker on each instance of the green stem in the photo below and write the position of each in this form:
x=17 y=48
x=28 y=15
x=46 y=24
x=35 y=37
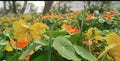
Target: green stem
x=104 y=57
x=16 y=49
x=50 y=44
x=27 y=51
x=82 y=26
x=81 y=29
x=82 y=21
x=78 y=25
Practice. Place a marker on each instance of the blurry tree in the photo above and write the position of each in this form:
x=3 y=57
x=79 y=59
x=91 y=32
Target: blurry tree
x=1 y=11
x=6 y=11
x=61 y=7
x=4 y=5
x=13 y=7
x=18 y=7
x=47 y=6
x=96 y=5
x=24 y=7
x=32 y=8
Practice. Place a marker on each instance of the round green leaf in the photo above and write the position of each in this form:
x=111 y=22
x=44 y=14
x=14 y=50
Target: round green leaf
x=65 y=48
x=101 y=20
x=3 y=42
x=84 y=53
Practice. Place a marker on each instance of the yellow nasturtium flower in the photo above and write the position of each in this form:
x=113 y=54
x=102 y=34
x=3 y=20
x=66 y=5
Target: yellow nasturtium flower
x=98 y=37
x=8 y=47
x=23 y=31
x=20 y=29
x=37 y=30
x=93 y=33
x=111 y=39
x=63 y=26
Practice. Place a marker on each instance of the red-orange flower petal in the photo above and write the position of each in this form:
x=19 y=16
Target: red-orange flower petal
x=75 y=30
x=12 y=42
x=77 y=12
x=89 y=17
x=22 y=44
x=106 y=9
x=103 y=16
x=110 y=20
x=112 y=12
x=119 y=18
x=68 y=28
x=108 y=16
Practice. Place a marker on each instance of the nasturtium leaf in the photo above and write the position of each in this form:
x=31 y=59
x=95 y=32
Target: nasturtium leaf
x=14 y=57
x=101 y=20
x=3 y=42
x=108 y=22
x=115 y=23
x=77 y=37
x=65 y=48
x=107 y=59
x=1 y=51
x=58 y=33
x=39 y=56
x=43 y=43
x=83 y=52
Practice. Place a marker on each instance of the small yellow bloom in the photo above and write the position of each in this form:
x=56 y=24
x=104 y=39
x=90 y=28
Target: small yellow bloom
x=8 y=47
x=32 y=52
x=93 y=34
x=97 y=37
x=89 y=32
x=63 y=26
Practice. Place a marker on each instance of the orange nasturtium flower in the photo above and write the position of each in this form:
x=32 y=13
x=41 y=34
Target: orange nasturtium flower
x=103 y=16
x=12 y=42
x=22 y=44
x=35 y=20
x=119 y=18
x=70 y=29
x=109 y=17
x=7 y=21
x=112 y=12
x=106 y=9
x=75 y=30
x=89 y=17
x=77 y=12
x=23 y=31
